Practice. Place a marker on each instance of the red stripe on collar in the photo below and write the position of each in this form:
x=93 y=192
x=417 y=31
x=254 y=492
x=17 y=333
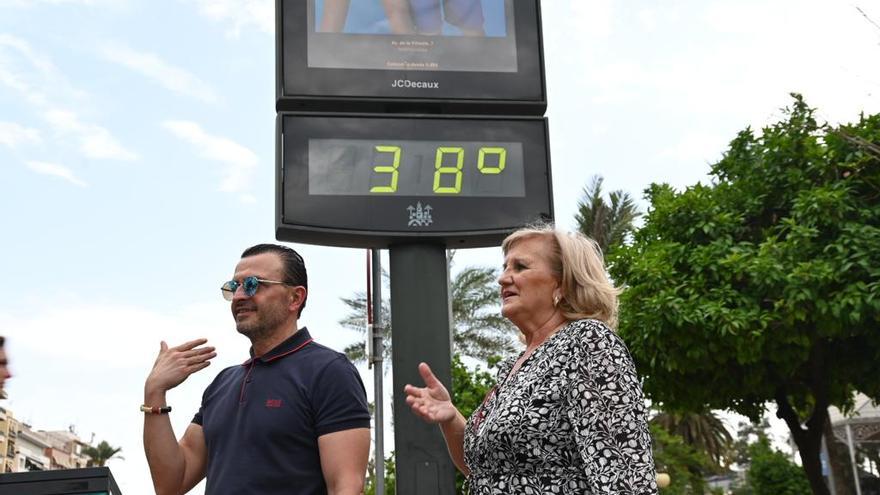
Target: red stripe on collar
x=273 y=358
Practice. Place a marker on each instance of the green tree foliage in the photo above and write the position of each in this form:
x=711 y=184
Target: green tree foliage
x=685 y=465
x=705 y=432
x=390 y=476
x=748 y=433
x=764 y=285
x=479 y=330
x=102 y=453
x=609 y=223
x=469 y=388
x=771 y=473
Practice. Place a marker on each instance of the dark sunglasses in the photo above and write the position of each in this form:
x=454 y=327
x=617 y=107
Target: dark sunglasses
x=248 y=284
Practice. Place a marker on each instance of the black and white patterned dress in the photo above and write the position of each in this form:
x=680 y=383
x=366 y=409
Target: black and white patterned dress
x=571 y=420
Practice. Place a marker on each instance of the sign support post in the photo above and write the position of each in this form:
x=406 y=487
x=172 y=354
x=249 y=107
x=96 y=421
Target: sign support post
x=377 y=360
x=422 y=333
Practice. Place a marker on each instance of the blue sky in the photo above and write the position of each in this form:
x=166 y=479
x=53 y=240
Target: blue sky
x=137 y=150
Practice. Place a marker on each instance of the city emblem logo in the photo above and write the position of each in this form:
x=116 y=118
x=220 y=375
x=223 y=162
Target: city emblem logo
x=419 y=216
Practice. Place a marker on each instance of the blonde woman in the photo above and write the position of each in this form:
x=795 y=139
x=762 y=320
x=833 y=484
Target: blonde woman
x=567 y=415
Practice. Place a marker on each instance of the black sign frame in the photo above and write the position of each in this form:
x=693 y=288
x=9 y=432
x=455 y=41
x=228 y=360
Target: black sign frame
x=303 y=88
x=87 y=481
x=351 y=221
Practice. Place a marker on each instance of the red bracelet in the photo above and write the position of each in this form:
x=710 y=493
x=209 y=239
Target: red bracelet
x=156 y=409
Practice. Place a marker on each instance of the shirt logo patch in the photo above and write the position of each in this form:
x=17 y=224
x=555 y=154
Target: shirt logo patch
x=273 y=402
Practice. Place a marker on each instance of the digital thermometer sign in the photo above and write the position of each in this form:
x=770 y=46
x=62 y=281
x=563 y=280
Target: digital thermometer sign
x=363 y=167
x=372 y=181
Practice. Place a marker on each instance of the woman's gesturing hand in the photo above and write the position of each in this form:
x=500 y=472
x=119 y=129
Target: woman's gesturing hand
x=432 y=402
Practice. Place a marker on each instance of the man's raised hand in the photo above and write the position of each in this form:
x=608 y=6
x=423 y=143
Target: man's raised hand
x=174 y=364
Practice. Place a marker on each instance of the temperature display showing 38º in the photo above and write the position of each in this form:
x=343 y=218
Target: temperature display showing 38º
x=393 y=167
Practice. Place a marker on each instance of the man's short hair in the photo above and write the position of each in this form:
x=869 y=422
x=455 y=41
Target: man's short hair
x=294 y=266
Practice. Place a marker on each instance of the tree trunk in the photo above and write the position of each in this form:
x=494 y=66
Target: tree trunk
x=808 y=440
x=839 y=462
x=812 y=465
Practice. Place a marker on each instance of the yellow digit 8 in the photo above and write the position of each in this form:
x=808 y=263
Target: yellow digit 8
x=481 y=160
x=441 y=170
x=387 y=169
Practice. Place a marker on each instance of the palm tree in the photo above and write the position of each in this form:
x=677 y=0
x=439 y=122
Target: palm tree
x=706 y=432
x=608 y=223
x=356 y=320
x=479 y=330
x=102 y=453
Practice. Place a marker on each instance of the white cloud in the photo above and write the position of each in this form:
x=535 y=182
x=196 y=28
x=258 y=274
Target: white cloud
x=593 y=18
x=618 y=81
x=152 y=66
x=240 y=161
x=12 y=134
x=647 y=19
x=744 y=66
x=27 y=71
x=697 y=145
x=598 y=128
x=55 y=170
x=32 y=69
x=85 y=3
x=89 y=331
x=577 y=31
x=240 y=13
x=820 y=51
x=95 y=141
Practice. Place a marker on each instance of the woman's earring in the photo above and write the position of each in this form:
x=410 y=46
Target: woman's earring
x=555 y=301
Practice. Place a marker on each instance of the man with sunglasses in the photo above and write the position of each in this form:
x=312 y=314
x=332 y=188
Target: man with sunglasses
x=292 y=419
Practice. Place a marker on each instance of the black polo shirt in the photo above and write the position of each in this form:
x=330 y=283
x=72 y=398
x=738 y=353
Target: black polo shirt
x=262 y=419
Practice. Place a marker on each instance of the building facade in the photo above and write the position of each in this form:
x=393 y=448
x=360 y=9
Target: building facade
x=24 y=449
x=8 y=441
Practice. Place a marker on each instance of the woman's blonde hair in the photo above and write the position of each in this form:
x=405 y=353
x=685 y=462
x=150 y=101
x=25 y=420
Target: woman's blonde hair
x=577 y=262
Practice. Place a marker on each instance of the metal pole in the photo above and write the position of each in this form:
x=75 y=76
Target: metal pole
x=376 y=359
x=831 y=487
x=420 y=323
x=852 y=456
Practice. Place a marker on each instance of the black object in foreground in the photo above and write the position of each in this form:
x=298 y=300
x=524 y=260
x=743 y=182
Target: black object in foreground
x=86 y=481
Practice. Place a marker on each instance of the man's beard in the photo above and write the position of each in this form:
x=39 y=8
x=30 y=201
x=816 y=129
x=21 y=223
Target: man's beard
x=268 y=319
